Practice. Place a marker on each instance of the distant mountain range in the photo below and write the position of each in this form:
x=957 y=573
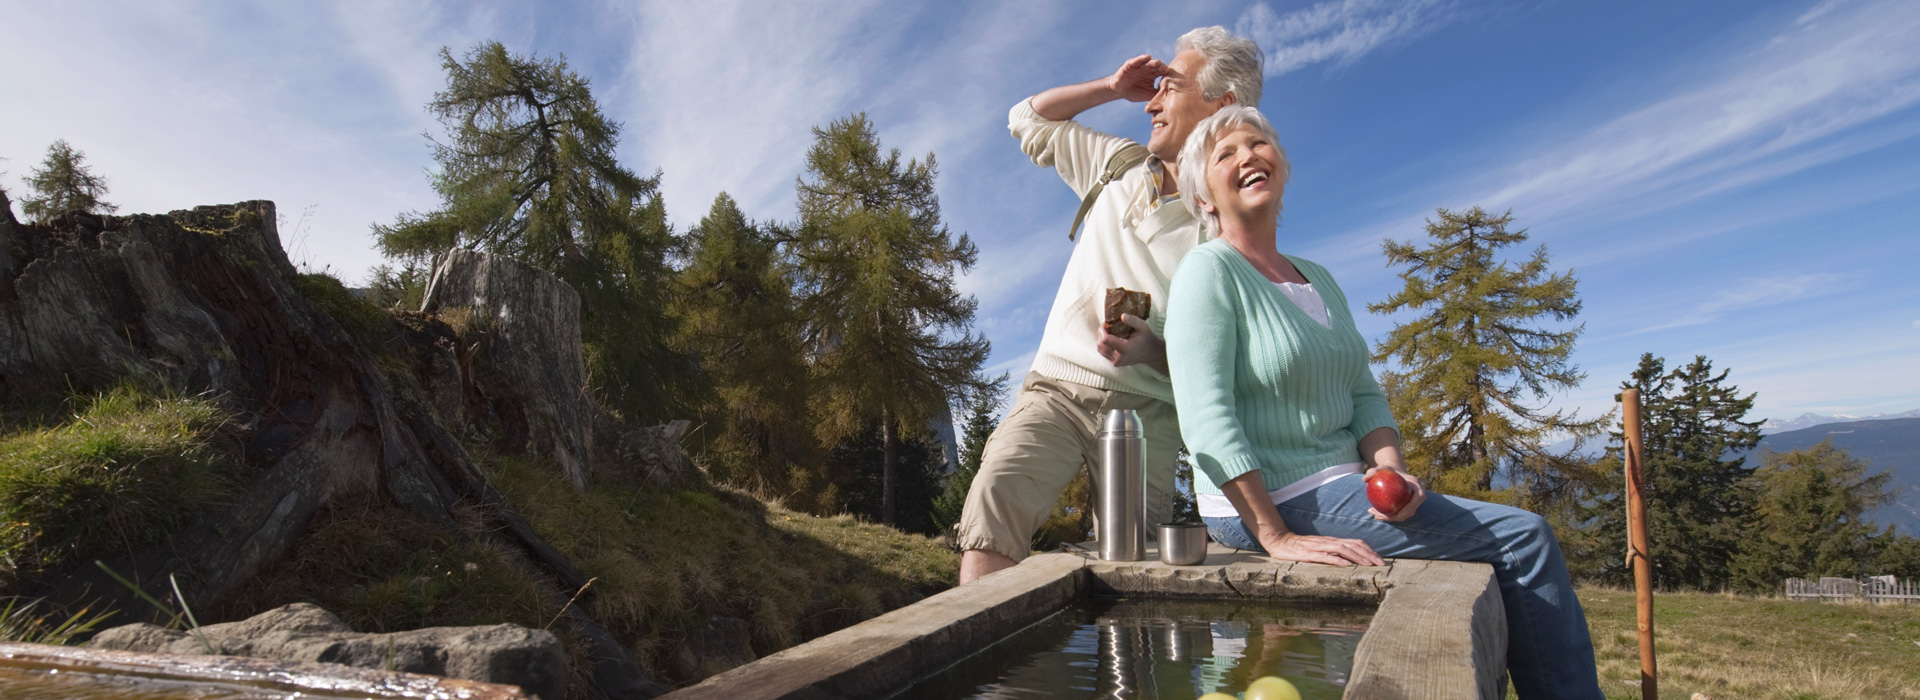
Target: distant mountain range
x=1887 y=445
x=1808 y=420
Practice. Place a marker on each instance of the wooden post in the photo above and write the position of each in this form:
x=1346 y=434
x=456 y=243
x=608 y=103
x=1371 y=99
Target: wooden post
x=1637 y=542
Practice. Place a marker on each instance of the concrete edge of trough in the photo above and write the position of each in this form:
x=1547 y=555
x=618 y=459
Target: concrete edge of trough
x=1439 y=630
x=296 y=677
x=880 y=656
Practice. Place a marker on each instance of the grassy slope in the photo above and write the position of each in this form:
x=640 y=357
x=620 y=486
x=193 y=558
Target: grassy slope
x=105 y=473
x=666 y=562
x=1727 y=646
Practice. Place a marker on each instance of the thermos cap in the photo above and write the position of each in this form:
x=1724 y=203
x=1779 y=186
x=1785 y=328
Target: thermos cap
x=1123 y=422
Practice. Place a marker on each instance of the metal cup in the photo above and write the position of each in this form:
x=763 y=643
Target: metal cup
x=1183 y=544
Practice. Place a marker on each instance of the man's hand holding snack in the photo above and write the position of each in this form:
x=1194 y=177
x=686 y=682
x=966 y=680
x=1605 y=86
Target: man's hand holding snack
x=1125 y=337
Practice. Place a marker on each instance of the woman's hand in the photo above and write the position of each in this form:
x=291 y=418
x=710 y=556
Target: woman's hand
x=1337 y=551
x=1406 y=511
x=1248 y=494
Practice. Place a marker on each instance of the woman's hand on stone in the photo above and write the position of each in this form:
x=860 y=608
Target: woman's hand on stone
x=1336 y=551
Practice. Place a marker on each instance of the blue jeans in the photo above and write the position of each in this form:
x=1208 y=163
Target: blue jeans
x=1549 y=652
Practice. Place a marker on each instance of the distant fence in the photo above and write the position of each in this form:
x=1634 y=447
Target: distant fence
x=1876 y=589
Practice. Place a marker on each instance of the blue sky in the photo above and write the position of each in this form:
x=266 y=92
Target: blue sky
x=1734 y=179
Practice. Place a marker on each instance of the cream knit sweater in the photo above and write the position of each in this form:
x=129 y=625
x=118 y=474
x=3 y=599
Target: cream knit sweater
x=1126 y=241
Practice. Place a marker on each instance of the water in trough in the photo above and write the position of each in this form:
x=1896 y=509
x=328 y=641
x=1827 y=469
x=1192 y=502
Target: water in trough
x=1150 y=649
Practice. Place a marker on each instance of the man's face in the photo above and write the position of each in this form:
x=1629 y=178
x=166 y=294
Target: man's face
x=1178 y=106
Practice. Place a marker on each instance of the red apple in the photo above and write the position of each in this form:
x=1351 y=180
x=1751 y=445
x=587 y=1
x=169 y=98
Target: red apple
x=1388 y=491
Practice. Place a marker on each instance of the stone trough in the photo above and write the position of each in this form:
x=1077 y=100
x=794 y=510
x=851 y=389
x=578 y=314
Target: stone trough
x=1438 y=632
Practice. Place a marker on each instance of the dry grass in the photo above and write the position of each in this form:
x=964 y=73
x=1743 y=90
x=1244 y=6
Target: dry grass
x=383 y=569
x=1732 y=646
x=669 y=561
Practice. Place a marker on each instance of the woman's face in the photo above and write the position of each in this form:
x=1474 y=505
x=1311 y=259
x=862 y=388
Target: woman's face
x=1241 y=181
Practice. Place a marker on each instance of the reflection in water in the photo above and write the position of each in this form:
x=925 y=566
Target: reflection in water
x=1154 y=649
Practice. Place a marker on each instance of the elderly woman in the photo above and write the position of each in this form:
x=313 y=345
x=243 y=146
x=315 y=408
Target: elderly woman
x=1282 y=415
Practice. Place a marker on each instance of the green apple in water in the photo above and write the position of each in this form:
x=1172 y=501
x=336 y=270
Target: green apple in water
x=1272 y=688
x=1217 y=696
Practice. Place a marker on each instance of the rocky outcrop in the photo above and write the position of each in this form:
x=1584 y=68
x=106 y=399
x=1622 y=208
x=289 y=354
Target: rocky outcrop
x=522 y=327
x=507 y=654
x=205 y=301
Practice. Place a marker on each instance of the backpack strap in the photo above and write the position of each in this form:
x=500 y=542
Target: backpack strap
x=1123 y=160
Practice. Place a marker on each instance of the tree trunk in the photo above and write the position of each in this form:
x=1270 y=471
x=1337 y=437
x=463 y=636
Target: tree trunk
x=889 y=459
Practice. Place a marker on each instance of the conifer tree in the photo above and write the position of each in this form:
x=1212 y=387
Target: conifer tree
x=1808 y=519
x=62 y=184
x=528 y=171
x=1475 y=365
x=1697 y=490
x=888 y=332
x=737 y=313
x=983 y=417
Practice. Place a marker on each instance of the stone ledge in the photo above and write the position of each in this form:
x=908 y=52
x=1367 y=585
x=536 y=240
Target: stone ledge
x=1439 y=631
x=880 y=656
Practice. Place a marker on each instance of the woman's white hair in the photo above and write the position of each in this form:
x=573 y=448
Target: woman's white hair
x=1193 y=160
x=1233 y=64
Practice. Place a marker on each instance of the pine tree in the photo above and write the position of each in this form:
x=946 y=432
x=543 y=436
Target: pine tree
x=888 y=332
x=736 y=309
x=1697 y=489
x=1808 y=520
x=983 y=417
x=63 y=184
x=529 y=172
x=1474 y=359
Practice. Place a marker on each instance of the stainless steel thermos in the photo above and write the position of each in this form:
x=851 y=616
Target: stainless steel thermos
x=1123 y=487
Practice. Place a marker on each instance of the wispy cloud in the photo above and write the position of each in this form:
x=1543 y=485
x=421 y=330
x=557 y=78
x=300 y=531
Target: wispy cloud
x=1810 y=96
x=1338 y=31
x=308 y=105
x=1754 y=293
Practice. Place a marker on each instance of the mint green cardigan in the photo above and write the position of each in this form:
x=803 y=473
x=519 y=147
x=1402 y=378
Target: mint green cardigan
x=1259 y=384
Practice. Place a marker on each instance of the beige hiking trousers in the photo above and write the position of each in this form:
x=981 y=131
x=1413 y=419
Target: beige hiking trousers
x=1050 y=432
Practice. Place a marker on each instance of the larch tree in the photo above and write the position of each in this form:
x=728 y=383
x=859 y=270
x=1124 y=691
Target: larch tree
x=527 y=170
x=1475 y=366
x=737 y=312
x=1697 y=483
x=889 y=334
x=64 y=184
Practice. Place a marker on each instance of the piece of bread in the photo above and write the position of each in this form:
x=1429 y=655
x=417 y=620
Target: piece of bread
x=1121 y=300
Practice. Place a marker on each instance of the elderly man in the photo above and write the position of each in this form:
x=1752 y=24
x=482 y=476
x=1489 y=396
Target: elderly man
x=1135 y=233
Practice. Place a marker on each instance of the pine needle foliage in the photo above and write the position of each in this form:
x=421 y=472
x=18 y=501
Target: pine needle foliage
x=1697 y=481
x=737 y=312
x=1475 y=365
x=983 y=417
x=527 y=170
x=889 y=334
x=1807 y=520
x=64 y=184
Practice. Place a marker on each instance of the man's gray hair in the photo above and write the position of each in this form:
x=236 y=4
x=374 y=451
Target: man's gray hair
x=1193 y=160
x=1233 y=64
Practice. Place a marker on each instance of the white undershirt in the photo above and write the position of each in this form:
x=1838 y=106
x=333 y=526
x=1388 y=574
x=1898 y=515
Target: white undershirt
x=1308 y=299
x=1215 y=506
